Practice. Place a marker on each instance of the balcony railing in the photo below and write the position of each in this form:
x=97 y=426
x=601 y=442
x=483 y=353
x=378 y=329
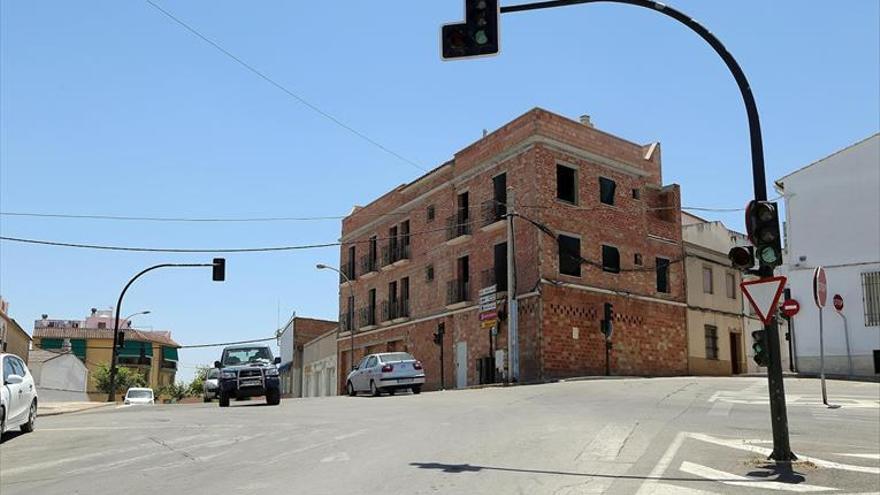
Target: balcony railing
x=492 y=211
x=368 y=316
x=490 y=277
x=395 y=252
x=394 y=309
x=457 y=290
x=347 y=271
x=458 y=225
x=368 y=264
x=345 y=321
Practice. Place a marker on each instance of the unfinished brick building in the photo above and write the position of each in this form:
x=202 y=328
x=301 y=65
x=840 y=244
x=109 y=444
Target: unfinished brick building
x=418 y=256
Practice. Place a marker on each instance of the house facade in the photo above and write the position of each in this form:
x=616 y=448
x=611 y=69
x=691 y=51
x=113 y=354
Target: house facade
x=831 y=220
x=319 y=365
x=13 y=338
x=154 y=354
x=291 y=341
x=594 y=225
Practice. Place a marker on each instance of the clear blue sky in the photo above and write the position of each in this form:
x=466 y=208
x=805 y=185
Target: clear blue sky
x=111 y=108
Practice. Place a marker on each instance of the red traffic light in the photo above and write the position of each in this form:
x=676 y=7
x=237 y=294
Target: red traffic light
x=742 y=257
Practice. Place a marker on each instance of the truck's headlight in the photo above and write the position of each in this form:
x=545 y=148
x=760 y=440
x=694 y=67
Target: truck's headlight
x=227 y=374
x=272 y=372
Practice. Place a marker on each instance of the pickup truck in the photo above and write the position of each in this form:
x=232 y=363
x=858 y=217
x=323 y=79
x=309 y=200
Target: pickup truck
x=248 y=370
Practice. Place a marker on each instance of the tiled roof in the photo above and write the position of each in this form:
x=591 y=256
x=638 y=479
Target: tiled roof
x=159 y=337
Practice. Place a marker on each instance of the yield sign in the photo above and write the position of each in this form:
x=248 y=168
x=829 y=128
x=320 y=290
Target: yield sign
x=764 y=294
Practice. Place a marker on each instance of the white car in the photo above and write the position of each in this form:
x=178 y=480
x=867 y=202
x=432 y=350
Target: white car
x=18 y=395
x=139 y=396
x=211 y=386
x=386 y=371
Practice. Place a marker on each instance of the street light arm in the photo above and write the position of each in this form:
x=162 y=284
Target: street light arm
x=757 y=144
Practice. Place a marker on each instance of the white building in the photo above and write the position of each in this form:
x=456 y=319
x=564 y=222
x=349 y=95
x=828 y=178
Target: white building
x=291 y=339
x=319 y=365
x=833 y=219
x=59 y=376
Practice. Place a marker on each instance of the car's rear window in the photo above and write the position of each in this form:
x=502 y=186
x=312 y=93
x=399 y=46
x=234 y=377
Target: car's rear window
x=396 y=356
x=140 y=394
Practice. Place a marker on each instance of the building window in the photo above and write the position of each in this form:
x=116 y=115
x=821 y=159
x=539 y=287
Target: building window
x=102 y=325
x=348 y=324
x=499 y=197
x=500 y=267
x=662 y=268
x=637 y=194
x=637 y=259
x=349 y=268
x=871 y=296
x=569 y=255
x=610 y=259
x=431 y=213
x=429 y=273
x=566 y=184
x=730 y=285
x=373 y=254
x=707 y=280
x=711 y=342
x=606 y=190
x=403 y=310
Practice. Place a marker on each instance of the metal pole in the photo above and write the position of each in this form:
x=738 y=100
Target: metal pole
x=607 y=356
x=822 y=358
x=778 y=410
x=512 y=310
x=442 y=360
x=114 y=353
x=848 y=350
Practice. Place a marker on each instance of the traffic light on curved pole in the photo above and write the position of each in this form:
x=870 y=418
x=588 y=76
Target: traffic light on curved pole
x=762 y=223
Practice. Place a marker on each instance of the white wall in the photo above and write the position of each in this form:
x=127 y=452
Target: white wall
x=833 y=220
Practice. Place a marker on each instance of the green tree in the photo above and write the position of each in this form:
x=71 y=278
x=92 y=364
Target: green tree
x=195 y=386
x=174 y=391
x=125 y=378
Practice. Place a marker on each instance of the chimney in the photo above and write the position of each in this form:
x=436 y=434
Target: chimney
x=94 y=310
x=485 y=132
x=45 y=316
x=585 y=120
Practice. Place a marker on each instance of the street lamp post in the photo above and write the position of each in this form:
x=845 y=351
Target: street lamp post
x=321 y=266
x=219 y=266
x=129 y=317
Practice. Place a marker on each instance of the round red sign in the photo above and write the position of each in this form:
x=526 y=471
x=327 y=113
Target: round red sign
x=820 y=287
x=837 y=301
x=790 y=307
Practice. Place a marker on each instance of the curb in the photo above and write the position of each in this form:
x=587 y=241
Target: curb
x=58 y=412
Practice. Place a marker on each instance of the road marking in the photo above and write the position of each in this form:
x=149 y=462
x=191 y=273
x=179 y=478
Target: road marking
x=58 y=462
x=340 y=457
x=724 y=477
x=875 y=457
x=608 y=443
x=721 y=409
x=662 y=464
x=664 y=489
x=747 y=446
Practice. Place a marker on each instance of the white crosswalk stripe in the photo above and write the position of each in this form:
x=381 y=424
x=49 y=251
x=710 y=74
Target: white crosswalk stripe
x=744 y=481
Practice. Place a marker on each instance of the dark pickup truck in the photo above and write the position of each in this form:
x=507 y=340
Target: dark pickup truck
x=248 y=371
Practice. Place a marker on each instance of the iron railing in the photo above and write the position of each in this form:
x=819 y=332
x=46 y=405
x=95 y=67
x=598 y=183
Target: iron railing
x=457 y=290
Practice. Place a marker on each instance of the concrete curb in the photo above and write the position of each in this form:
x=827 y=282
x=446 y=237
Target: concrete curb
x=601 y=377
x=52 y=411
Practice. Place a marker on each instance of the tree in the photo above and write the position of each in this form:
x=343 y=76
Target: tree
x=125 y=378
x=195 y=386
x=174 y=391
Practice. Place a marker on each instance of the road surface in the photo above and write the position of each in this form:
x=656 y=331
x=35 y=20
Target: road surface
x=630 y=436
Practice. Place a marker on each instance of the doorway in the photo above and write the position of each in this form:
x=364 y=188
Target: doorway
x=461 y=364
x=734 y=354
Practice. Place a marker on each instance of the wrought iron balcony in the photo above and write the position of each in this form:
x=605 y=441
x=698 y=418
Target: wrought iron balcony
x=457 y=290
x=368 y=264
x=492 y=211
x=458 y=225
x=490 y=277
x=368 y=316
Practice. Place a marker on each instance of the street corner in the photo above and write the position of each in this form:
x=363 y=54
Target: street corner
x=56 y=408
x=700 y=463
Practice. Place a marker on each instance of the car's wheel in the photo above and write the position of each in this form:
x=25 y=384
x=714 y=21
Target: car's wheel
x=417 y=389
x=2 y=421
x=391 y=391
x=350 y=389
x=374 y=390
x=32 y=418
x=206 y=398
x=224 y=399
x=273 y=397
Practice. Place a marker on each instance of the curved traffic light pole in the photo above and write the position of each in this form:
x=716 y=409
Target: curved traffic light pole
x=114 y=357
x=779 y=416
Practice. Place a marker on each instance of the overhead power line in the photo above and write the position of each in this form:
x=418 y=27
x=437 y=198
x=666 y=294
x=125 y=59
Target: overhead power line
x=284 y=89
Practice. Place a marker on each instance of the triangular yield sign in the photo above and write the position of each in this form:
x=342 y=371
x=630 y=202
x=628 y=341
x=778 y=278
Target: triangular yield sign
x=764 y=294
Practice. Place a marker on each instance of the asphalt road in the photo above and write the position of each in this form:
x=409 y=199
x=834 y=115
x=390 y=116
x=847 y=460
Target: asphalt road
x=631 y=436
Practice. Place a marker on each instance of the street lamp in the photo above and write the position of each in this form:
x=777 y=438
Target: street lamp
x=321 y=266
x=129 y=317
x=219 y=275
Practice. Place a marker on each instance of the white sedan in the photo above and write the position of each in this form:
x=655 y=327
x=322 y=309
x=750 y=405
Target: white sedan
x=18 y=395
x=386 y=371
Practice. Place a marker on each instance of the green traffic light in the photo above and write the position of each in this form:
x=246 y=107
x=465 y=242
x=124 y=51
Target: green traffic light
x=769 y=255
x=481 y=38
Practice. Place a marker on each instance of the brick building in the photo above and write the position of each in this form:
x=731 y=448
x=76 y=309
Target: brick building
x=418 y=255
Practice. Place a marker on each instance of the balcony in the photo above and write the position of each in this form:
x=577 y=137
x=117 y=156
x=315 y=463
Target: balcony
x=457 y=293
x=458 y=228
x=489 y=277
x=395 y=310
x=367 y=317
x=368 y=266
x=492 y=214
x=346 y=321
x=395 y=254
x=348 y=273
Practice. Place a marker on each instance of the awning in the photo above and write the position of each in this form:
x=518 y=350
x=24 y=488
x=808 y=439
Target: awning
x=134 y=348
x=169 y=354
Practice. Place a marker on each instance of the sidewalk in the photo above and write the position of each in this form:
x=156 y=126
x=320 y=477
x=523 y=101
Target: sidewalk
x=55 y=408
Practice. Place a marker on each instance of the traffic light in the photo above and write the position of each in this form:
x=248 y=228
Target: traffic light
x=742 y=257
x=120 y=339
x=477 y=35
x=609 y=311
x=608 y=316
x=219 y=269
x=438 y=335
x=762 y=223
x=760 y=347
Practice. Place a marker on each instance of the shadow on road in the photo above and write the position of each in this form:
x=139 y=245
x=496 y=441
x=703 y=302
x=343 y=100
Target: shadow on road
x=10 y=435
x=786 y=474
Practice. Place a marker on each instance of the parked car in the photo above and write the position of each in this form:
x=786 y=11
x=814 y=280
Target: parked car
x=18 y=395
x=211 y=385
x=386 y=372
x=139 y=396
x=249 y=370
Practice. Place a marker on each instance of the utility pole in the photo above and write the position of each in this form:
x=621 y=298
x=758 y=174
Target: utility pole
x=512 y=311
